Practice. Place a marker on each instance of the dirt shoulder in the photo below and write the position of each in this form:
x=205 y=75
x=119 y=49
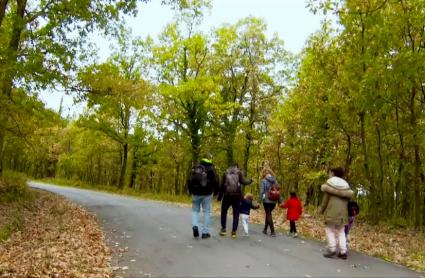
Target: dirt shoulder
x=53 y=238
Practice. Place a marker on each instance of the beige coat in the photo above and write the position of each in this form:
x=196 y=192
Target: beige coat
x=334 y=203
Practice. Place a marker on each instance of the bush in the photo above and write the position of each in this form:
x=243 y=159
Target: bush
x=9 y=228
x=13 y=185
x=398 y=223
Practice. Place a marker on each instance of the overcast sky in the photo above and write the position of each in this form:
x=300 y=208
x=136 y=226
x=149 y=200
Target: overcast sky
x=290 y=19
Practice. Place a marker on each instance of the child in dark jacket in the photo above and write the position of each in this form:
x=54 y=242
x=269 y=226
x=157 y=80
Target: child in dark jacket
x=245 y=208
x=294 y=206
x=353 y=210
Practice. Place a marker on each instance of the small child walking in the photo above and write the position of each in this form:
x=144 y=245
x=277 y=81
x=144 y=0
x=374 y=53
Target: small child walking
x=294 y=206
x=245 y=208
x=353 y=210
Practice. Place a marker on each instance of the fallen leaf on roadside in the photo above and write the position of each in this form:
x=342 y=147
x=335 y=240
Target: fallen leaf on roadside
x=57 y=239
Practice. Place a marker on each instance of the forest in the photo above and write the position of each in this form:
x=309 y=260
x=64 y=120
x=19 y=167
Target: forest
x=354 y=97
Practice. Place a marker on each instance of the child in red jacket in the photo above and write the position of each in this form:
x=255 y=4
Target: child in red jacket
x=294 y=206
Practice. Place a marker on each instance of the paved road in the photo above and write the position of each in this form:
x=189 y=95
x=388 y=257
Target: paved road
x=159 y=243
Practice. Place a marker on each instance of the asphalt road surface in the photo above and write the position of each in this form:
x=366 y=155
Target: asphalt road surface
x=154 y=239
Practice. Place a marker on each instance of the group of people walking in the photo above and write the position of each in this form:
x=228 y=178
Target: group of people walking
x=204 y=183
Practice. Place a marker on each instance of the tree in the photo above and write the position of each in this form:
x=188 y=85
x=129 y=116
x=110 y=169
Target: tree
x=246 y=64
x=358 y=95
x=40 y=41
x=30 y=132
x=116 y=94
x=186 y=87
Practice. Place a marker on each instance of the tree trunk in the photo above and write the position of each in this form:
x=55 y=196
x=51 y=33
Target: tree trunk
x=380 y=186
x=401 y=165
x=2 y=148
x=374 y=195
x=418 y=174
x=123 y=165
x=279 y=163
x=230 y=154
x=133 y=168
x=194 y=130
x=3 y=5
x=176 y=180
x=248 y=142
x=248 y=135
x=12 y=49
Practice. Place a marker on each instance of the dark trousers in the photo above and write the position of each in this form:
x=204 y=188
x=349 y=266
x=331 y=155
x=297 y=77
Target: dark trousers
x=293 y=226
x=268 y=208
x=234 y=202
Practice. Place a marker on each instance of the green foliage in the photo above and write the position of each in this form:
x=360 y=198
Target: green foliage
x=248 y=68
x=353 y=98
x=357 y=104
x=398 y=223
x=14 y=192
x=6 y=229
x=13 y=186
x=42 y=40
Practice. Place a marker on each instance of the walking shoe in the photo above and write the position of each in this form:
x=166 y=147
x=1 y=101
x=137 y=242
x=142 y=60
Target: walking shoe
x=342 y=256
x=233 y=234
x=295 y=235
x=265 y=231
x=223 y=232
x=207 y=235
x=245 y=234
x=329 y=254
x=195 y=231
x=273 y=234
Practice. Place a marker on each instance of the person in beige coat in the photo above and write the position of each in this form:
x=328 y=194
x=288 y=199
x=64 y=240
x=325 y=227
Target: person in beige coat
x=334 y=207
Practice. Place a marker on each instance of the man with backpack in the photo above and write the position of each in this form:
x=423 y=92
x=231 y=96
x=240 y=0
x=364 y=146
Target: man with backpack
x=231 y=195
x=202 y=184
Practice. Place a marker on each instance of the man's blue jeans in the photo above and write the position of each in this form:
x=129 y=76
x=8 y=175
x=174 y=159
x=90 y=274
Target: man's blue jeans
x=205 y=202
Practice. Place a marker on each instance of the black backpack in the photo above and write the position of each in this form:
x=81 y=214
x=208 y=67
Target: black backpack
x=199 y=176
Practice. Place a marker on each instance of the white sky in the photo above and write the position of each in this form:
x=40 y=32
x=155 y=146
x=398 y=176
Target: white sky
x=290 y=19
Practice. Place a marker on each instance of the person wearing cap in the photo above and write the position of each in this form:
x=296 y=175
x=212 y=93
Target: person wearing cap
x=202 y=184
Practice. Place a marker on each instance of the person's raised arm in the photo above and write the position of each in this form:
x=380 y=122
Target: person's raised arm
x=216 y=183
x=243 y=180
x=262 y=189
x=284 y=205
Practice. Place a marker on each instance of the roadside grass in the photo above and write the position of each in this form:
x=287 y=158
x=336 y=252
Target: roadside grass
x=183 y=199
x=14 y=198
x=13 y=187
x=11 y=225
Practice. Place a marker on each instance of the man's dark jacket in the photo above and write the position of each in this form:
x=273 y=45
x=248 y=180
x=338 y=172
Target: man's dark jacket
x=212 y=181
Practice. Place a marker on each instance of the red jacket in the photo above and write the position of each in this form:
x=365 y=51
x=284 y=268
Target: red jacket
x=294 y=207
